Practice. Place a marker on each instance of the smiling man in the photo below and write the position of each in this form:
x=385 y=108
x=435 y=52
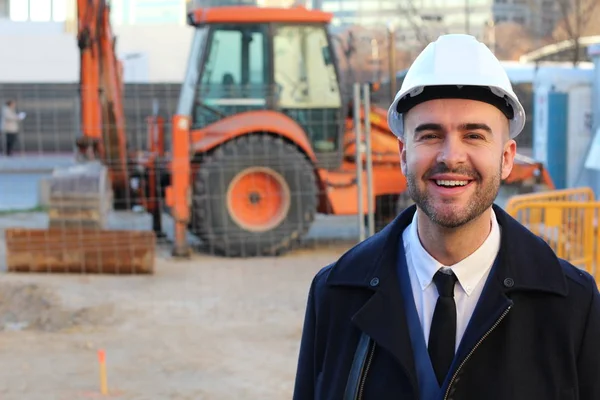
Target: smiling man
x=454 y=299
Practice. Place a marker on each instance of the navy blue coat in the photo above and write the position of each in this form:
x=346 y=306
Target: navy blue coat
x=535 y=334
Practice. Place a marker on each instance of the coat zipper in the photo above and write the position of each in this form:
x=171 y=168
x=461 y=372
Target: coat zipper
x=475 y=348
x=363 y=377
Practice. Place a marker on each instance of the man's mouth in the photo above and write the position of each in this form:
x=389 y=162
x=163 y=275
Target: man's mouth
x=451 y=184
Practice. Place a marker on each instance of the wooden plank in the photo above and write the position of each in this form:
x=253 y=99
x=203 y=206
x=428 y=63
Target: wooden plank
x=80 y=251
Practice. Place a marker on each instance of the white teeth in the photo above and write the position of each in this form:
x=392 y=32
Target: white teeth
x=451 y=183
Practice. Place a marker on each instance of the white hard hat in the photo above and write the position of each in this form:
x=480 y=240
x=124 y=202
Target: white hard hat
x=457 y=66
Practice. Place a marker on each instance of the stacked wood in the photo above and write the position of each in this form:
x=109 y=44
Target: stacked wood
x=80 y=251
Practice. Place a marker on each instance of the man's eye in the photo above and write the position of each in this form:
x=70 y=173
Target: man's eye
x=474 y=136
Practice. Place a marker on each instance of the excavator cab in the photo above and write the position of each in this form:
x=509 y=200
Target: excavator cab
x=286 y=66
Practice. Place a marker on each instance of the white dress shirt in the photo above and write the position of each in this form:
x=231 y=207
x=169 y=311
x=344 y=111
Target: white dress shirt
x=472 y=273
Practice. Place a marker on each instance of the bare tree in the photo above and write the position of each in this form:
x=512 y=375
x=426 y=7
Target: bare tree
x=415 y=21
x=364 y=52
x=355 y=53
x=426 y=26
x=576 y=22
x=512 y=40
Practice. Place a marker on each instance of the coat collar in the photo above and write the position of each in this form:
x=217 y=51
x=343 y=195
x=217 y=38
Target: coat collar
x=527 y=262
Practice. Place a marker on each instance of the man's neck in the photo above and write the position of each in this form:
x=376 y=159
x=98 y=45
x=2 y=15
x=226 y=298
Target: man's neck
x=450 y=246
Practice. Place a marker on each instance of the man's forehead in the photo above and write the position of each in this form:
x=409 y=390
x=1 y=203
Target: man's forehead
x=453 y=103
x=454 y=111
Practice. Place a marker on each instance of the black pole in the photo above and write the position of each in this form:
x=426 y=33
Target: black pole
x=157 y=203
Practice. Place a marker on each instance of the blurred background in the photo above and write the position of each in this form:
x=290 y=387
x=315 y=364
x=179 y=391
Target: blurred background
x=40 y=60
x=211 y=325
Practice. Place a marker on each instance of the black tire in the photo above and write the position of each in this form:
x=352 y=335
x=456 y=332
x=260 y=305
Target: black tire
x=212 y=218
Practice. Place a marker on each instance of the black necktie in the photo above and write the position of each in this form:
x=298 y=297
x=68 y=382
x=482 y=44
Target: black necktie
x=442 y=336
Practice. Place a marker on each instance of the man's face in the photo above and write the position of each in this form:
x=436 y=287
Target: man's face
x=454 y=155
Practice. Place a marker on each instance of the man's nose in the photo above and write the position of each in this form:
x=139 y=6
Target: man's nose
x=452 y=151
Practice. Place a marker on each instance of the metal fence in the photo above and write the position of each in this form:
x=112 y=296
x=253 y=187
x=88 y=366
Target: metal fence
x=289 y=180
x=569 y=227
x=266 y=193
x=581 y=194
x=52 y=121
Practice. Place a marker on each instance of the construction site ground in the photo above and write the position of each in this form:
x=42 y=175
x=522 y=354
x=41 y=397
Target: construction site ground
x=204 y=328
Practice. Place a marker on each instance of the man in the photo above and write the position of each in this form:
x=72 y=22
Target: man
x=454 y=299
x=10 y=124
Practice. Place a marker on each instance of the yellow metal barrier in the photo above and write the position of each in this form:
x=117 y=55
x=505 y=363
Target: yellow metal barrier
x=569 y=227
x=575 y=194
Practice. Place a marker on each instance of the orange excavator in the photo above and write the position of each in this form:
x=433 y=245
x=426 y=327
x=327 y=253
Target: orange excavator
x=263 y=137
x=269 y=130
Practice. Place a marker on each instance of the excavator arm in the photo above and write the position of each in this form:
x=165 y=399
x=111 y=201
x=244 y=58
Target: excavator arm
x=83 y=194
x=101 y=91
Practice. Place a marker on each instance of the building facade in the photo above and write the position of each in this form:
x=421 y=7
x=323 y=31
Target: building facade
x=37 y=33
x=151 y=31
x=419 y=21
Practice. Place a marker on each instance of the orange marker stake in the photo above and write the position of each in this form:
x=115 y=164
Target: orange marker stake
x=103 y=381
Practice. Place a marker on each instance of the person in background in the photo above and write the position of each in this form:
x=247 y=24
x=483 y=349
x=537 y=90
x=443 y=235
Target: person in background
x=10 y=125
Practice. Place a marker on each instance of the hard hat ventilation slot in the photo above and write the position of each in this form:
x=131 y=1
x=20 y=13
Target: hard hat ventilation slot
x=416 y=91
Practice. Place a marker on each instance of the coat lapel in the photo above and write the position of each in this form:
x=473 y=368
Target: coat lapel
x=524 y=263
x=384 y=319
x=490 y=307
x=372 y=264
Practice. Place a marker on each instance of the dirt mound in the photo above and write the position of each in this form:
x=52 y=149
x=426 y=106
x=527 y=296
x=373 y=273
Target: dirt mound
x=27 y=306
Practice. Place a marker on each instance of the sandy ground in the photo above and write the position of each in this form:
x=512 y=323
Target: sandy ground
x=203 y=328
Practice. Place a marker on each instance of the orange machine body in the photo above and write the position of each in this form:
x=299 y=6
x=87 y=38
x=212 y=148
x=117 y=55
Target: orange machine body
x=101 y=91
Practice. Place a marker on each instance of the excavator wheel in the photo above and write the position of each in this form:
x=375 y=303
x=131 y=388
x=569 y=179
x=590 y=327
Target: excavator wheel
x=254 y=196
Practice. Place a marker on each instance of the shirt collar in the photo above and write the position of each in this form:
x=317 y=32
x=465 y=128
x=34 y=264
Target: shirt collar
x=468 y=271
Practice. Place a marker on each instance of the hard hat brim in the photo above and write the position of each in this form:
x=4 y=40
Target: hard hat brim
x=516 y=123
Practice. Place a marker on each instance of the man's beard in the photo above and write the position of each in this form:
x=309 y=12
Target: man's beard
x=482 y=198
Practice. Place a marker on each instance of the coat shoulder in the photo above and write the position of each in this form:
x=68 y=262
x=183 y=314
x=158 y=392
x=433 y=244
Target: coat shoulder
x=358 y=265
x=352 y=268
x=582 y=282
x=320 y=278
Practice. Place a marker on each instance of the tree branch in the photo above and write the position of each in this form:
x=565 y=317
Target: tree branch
x=564 y=8
x=588 y=12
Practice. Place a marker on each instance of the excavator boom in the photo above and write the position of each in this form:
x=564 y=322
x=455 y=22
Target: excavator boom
x=101 y=90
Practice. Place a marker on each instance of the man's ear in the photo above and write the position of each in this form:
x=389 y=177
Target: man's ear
x=508 y=157
x=402 y=151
